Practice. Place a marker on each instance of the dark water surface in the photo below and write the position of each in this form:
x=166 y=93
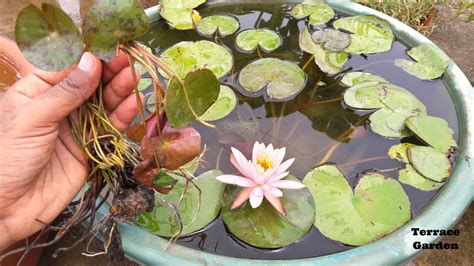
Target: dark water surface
x=307 y=125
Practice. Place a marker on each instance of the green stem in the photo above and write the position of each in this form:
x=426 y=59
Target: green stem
x=374 y=63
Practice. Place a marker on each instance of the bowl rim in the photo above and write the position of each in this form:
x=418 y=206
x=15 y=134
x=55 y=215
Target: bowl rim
x=442 y=213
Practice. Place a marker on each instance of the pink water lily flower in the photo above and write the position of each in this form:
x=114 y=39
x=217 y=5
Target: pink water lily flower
x=262 y=176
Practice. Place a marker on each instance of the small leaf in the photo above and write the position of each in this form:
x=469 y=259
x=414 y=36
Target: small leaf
x=430 y=162
x=369 y=34
x=329 y=62
x=161 y=220
x=249 y=40
x=264 y=227
x=108 y=23
x=376 y=208
x=180 y=14
x=399 y=152
x=164 y=181
x=224 y=105
x=144 y=84
x=185 y=57
x=431 y=62
x=202 y=89
x=355 y=78
x=283 y=79
x=411 y=177
x=224 y=24
x=333 y=40
x=434 y=131
x=318 y=11
x=48 y=37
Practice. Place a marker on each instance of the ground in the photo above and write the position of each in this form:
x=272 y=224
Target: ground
x=453 y=36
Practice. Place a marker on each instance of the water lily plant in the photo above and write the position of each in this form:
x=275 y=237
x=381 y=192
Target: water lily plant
x=262 y=176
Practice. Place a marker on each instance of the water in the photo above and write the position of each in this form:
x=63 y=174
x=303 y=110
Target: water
x=307 y=125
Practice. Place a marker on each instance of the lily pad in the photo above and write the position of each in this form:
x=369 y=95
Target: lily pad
x=108 y=23
x=355 y=78
x=332 y=40
x=48 y=38
x=249 y=40
x=180 y=14
x=144 y=84
x=411 y=177
x=202 y=89
x=431 y=62
x=430 y=162
x=365 y=95
x=377 y=207
x=264 y=227
x=389 y=124
x=434 y=131
x=224 y=24
x=283 y=79
x=185 y=57
x=319 y=11
x=399 y=152
x=369 y=34
x=162 y=222
x=329 y=62
x=224 y=105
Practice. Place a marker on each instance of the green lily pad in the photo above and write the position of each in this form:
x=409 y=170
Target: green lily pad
x=282 y=79
x=319 y=11
x=332 y=40
x=185 y=57
x=411 y=177
x=108 y=23
x=264 y=227
x=161 y=221
x=434 y=131
x=329 y=62
x=144 y=84
x=389 y=124
x=430 y=162
x=377 y=207
x=224 y=105
x=224 y=24
x=180 y=14
x=369 y=34
x=399 y=152
x=249 y=40
x=365 y=95
x=355 y=78
x=431 y=62
x=202 y=89
x=48 y=38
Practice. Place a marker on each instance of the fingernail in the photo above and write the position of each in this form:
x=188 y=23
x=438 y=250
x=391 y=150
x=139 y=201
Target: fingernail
x=86 y=63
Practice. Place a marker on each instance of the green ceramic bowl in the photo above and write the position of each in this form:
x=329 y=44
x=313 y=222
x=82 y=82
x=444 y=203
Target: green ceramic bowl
x=442 y=213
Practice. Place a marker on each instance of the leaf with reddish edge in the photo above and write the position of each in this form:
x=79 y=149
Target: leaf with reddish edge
x=146 y=172
x=139 y=131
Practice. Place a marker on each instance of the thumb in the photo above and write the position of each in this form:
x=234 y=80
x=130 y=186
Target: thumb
x=57 y=102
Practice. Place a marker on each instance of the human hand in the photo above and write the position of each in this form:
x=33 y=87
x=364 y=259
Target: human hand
x=41 y=166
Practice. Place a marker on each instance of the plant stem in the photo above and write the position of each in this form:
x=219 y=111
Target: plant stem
x=378 y=158
x=373 y=63
x=308 y=62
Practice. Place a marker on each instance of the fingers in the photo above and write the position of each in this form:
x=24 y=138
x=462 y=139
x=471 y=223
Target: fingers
x=114 y=67
x=125 y=112
x=120 y=87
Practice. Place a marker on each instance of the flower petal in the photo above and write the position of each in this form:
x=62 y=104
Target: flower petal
x=278 y=157
x=236 y=180
x=274 y=178
x=268 y=189
x=287 y=184
x=243 y=196
x=255 y=151
x=240 y=162
x=256 y=197
x=284 y=166
x=276 y=203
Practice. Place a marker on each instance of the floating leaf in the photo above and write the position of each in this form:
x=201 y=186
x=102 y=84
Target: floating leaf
x=389 y=124
x=162 y=221
x=431 y=62
x=370 y=34
x=365 y=95
x=199 y=91
x=224 y=105
x=399 y=152
x=355 y=78
x=282 y=79
x=376 y=208
x=264 y=227
x=144 y=84
x=318 y=11
x=224 y=24
x=249 y=40
x=430 y=162
x=433 y=131
x=332 y=40
x=329 y=62
x=185 y=57
x=164 y=181
x=411 y=177
x=48 y=38
x=180 y=14
x=108 y=23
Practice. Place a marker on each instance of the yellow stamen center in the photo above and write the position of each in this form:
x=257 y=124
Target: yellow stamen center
x=264 y=162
